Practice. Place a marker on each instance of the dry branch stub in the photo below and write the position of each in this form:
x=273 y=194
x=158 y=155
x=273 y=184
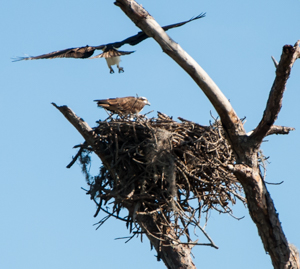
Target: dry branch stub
x=171 y=171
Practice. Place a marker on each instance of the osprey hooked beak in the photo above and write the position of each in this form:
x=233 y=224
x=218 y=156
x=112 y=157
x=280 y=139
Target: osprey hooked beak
x=145 y=101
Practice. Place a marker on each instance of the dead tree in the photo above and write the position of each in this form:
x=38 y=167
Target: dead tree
x=154 y=167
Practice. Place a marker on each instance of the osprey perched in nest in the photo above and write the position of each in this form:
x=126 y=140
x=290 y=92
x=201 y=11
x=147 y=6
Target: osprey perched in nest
x=110 y=52
x=123 y=105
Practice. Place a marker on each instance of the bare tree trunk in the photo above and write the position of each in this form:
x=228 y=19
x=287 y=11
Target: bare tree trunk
x=173 y=254
x=260 y=204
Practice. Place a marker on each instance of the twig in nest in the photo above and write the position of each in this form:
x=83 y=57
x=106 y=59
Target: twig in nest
x=274 y=183
x=82 y=147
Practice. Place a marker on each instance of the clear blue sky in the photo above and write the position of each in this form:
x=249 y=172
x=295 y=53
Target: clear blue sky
x=46 y=219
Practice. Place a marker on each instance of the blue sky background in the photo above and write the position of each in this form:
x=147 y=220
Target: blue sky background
x=46 y=219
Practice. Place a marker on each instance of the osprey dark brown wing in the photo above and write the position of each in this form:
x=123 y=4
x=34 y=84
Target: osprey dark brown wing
x=200 y=16
x=81 y=53
x=141 y=36
x=123 y=105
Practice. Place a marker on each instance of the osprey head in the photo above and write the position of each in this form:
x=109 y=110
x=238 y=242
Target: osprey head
x=145 y=100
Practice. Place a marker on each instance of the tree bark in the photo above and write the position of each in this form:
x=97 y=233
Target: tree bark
x=245 y=147
x=173 y=254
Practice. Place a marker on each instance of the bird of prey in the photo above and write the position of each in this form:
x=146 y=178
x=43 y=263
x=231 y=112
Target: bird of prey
x=110 y=52
x=112 y=57
x=123 y=105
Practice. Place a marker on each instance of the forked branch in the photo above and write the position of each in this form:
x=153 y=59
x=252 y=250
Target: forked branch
x=289 y=55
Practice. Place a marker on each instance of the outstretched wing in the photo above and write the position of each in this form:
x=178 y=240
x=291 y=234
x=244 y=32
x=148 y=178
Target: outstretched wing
x=141 y=36
x=166 y=28
x=79 y=53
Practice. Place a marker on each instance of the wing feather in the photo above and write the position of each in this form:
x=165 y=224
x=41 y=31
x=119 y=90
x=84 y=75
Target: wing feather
x=141 y=36
x=80 y=52
x=200 y=16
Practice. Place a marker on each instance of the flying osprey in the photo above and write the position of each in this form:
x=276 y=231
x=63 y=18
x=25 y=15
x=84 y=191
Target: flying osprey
x=112 y=57
x=123 y=105
x=110 y=52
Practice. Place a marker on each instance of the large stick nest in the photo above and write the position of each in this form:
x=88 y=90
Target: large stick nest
x=159 y=166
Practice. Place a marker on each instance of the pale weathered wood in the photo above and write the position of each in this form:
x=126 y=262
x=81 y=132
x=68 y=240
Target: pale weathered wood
x=260 y=204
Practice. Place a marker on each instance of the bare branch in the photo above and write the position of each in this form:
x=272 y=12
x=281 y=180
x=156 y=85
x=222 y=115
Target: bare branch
x=274 y=61
x=276 y=129
x=146 y=22
x=289 y=55
x=86 y=131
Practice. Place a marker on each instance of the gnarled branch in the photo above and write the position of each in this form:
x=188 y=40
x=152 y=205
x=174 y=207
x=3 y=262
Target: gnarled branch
x=289 y=55
x=276 y=129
